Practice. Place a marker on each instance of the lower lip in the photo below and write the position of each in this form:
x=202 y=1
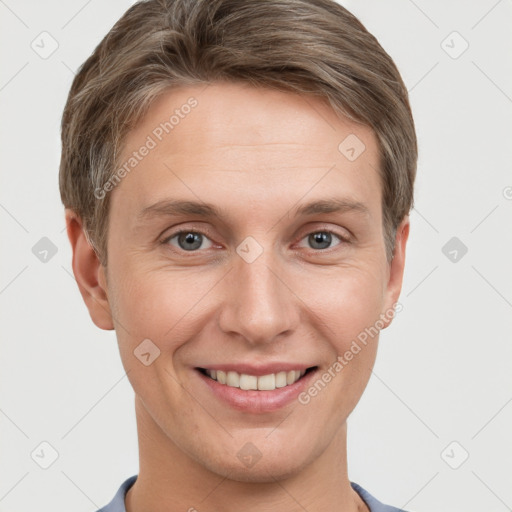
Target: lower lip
x=253 y=401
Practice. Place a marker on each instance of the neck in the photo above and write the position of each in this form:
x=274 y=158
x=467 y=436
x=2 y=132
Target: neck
x=170 y=480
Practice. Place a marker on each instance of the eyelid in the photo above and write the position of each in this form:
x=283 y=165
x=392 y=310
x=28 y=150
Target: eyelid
x=342 y=233
x=170 y=232
x=166 y=239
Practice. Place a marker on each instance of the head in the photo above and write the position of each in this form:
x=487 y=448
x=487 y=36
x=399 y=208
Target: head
x=289 y=128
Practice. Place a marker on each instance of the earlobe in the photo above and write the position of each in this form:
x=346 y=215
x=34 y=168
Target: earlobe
x=89 y=273
x=396 y=271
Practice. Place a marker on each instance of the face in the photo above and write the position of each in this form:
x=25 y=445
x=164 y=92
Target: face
x=245 y=245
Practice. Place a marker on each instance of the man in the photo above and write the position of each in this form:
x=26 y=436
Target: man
x=237 y=178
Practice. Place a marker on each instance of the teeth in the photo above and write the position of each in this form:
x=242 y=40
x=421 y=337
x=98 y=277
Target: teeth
x=267 y=382
x=233 y=379
x=262 y=383
x=280 y=380
x=248 y=382
x=290 y=377
x=221 y=377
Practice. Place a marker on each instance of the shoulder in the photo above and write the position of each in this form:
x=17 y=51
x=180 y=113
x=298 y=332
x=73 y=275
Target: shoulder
x=117 y=503
x=373 y=503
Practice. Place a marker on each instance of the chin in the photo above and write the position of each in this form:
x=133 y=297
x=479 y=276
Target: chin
x=266 y=466
x=261 y=472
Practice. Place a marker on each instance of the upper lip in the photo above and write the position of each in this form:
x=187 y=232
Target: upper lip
x=257 y=370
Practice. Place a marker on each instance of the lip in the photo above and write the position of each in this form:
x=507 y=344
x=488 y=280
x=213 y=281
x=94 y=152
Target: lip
x=253 y=401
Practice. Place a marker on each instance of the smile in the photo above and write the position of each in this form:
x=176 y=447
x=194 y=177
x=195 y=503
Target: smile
x=248 y=382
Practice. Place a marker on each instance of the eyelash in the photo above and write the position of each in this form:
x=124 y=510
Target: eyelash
x=343 y=239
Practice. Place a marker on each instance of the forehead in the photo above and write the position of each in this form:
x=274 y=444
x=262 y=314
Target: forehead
x=211 y=141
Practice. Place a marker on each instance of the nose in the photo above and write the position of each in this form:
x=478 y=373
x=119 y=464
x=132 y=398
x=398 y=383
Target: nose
x=259 y=304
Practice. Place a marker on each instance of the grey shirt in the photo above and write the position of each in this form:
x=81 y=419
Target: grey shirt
x=117 y=503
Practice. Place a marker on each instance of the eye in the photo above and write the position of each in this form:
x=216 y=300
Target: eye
x=189 y=240
x=193 y=241
x=322 y=240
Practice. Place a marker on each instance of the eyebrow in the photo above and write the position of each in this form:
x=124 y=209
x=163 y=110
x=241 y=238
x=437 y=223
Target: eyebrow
x=170 y=207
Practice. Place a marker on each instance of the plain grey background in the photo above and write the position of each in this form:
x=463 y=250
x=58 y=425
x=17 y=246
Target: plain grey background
x=432 y=431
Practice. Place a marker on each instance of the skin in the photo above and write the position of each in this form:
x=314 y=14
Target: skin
x=257 y=154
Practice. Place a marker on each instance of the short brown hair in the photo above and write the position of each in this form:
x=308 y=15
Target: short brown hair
x=313 y=47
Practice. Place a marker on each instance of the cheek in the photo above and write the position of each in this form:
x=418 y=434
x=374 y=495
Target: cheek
x=346 y=302
x=161 y=307
x=164 y=306
x=169 y=306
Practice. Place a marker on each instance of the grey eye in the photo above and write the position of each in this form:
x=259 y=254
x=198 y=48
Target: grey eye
x=189 y=240
x=321 y=240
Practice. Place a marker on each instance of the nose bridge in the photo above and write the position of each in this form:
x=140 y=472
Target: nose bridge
x=258 y=305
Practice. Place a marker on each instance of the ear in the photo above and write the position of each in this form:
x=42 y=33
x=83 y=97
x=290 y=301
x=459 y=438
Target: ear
x=396 y=271
x=89 y=273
